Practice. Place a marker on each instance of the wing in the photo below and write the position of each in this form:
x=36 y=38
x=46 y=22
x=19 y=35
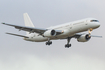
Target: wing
x=29 y=29
x=32 y=29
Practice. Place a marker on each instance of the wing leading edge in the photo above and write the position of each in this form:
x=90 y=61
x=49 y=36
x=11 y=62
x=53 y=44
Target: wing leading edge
x=29 y=29
x=32 y=29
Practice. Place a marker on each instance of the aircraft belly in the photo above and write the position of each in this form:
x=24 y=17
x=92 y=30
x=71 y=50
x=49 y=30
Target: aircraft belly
x=37 y=39
x=40 y=39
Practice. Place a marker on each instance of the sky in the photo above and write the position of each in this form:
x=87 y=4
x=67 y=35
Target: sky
x=17 y=54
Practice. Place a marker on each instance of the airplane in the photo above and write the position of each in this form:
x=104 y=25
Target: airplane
x=64 y=31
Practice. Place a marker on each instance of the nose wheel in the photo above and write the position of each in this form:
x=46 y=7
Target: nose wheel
x=68 y=45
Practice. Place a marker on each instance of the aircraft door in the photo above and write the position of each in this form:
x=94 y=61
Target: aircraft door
x=86 y=23
x=71 y=26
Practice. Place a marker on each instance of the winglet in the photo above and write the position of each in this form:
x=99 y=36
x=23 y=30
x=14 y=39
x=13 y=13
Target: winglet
x=3 y=23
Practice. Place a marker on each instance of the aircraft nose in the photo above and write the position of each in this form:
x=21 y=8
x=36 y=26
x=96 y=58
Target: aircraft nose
x=98 y=24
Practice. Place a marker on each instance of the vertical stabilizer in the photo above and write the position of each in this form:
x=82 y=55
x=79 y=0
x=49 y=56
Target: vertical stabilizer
x=27 y=21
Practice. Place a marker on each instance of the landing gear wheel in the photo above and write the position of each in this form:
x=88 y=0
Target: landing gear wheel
x=49 y=43
x=67 y=45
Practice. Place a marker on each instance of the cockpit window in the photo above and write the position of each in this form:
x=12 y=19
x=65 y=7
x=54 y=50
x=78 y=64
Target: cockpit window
x=94 y=21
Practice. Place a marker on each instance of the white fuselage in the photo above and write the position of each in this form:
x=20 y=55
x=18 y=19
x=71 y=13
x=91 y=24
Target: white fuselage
x=69 y=29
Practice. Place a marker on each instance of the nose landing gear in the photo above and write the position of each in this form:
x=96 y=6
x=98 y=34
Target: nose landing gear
x=90 y=30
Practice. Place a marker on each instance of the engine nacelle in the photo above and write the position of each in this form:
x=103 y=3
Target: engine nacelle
x=49 y=33
x=84 y=38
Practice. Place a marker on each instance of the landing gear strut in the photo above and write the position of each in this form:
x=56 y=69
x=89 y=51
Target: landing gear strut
x=68 y=45
x=49 y=42
x=90 y=30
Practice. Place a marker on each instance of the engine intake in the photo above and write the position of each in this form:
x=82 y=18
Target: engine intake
x=53 y=32
x=84 y=38
x=49 y=33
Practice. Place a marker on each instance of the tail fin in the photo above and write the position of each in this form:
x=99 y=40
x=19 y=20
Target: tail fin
x=27 y=21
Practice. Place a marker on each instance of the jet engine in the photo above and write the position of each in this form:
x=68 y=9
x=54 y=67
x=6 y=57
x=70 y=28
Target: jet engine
x=84 y=38
x=49 y=33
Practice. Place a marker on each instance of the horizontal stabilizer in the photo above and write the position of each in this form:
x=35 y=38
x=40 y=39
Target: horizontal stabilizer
x=17 y=35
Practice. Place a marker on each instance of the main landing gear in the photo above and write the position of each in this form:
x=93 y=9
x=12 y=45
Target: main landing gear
x=49 y=42
x=68 y=45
